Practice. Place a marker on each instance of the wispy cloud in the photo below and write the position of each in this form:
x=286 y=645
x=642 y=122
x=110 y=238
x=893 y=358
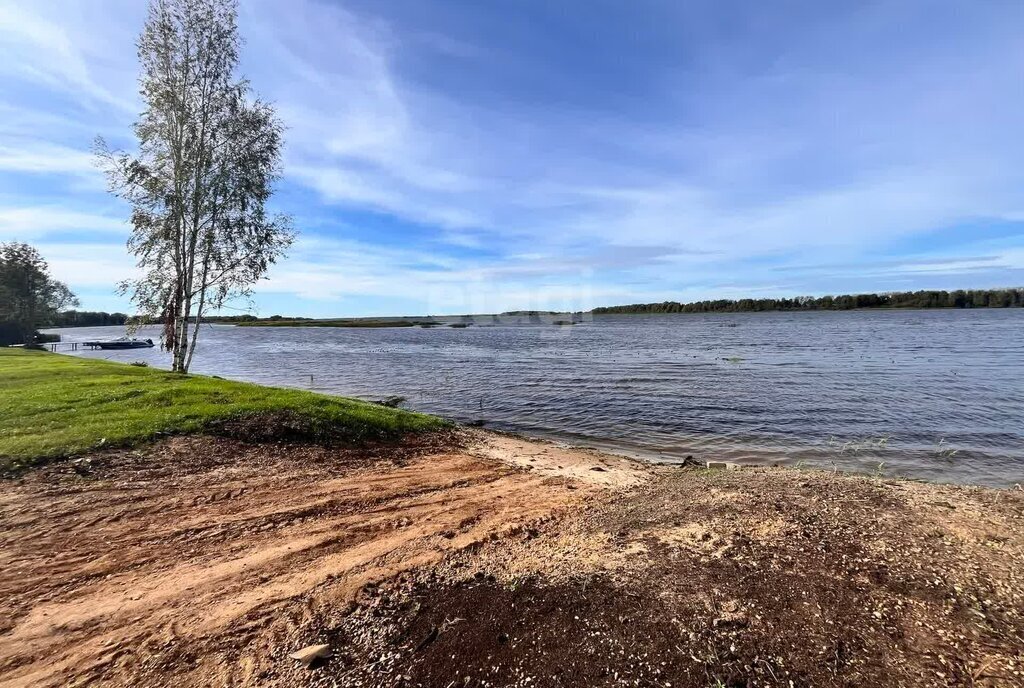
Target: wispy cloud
x=53 y=45
x=44 y=157
x=826 y=153
x=90 y=266
x=38 y=221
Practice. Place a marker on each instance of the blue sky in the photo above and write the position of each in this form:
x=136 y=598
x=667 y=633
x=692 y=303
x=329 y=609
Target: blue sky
x=462 y=156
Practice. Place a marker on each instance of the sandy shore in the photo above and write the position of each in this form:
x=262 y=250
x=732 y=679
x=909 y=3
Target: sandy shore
x=487 y=560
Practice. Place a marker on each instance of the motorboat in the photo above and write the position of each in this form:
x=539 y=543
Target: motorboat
x=121 y=343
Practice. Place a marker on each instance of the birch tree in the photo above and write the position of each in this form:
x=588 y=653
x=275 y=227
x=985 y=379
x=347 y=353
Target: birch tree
x=208 y=156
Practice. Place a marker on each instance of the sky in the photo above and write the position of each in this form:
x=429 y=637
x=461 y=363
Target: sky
x=455 y=156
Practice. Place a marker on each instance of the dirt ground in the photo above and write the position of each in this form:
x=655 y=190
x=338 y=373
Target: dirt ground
x=481 y=559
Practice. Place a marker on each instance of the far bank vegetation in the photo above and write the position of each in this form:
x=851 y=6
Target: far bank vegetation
x=973 y=298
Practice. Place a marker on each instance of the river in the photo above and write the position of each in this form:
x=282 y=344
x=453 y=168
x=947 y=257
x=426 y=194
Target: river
x=936 y=394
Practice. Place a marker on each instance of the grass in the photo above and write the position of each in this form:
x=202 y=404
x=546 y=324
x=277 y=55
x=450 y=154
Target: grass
x=54 y=406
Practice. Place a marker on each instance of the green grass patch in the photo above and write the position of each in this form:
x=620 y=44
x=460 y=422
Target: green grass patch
x=53 y=406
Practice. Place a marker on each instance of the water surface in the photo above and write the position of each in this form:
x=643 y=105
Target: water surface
x=935 y=394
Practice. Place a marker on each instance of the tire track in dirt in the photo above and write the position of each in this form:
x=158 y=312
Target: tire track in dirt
x=96 y=569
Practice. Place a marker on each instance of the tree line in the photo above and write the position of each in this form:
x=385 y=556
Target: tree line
x=248 y=318
x=86 y=319
x=75 y=318
x=961 y=298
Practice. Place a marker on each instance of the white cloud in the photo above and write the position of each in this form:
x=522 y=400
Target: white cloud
x=372 y=191
x=35 y=157
x=89 y=265
x=329 y=270
x=63 y=45
x=36 y=222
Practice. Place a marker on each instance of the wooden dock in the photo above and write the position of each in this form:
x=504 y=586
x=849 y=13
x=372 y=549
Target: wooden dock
x=70 y=346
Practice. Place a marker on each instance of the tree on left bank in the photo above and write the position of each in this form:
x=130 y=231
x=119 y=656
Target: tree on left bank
x=207 y=158
x=29 y=296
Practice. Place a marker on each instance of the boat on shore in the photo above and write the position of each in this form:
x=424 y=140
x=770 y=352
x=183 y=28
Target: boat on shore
x=121 y=343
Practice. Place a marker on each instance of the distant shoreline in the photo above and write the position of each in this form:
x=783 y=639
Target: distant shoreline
x=1010 y=297
x=463 y=321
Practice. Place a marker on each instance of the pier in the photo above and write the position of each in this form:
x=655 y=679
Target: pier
x=70 y=346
